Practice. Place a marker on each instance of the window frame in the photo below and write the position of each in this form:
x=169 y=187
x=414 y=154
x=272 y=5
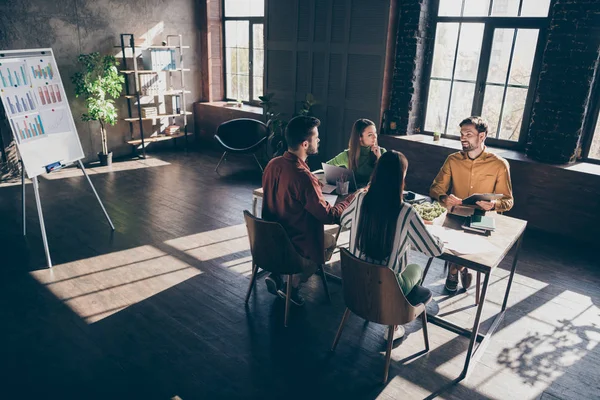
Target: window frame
x=491 y=23
x=591 y=119
x=251 y=22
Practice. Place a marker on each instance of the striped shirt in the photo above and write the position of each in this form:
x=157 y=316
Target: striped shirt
x=410 y=229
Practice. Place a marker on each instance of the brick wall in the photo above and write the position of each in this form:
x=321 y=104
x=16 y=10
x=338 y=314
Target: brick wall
x=565 y=81
x=414 y=38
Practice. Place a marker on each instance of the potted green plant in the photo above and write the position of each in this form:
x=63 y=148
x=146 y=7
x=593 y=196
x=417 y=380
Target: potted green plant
x=99 y=83
x=277 y=125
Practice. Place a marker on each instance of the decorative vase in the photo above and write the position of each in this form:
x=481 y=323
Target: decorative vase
x=105 y=159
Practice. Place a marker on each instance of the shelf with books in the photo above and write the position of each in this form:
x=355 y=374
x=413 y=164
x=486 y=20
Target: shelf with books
x=165 y=93
x=145 y=81
x=154 y=139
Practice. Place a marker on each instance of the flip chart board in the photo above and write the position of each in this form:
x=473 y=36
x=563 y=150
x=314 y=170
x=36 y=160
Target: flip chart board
x=35 y=103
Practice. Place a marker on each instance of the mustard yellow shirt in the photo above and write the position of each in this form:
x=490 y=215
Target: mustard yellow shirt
x=463 y=177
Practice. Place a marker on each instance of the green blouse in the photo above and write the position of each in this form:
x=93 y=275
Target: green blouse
x=366 y=163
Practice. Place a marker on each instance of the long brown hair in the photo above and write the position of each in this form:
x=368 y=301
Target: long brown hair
x=354 y=143
x=381 y=206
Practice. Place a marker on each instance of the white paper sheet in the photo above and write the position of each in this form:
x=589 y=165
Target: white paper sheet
x=460 y=242
x=330 y=198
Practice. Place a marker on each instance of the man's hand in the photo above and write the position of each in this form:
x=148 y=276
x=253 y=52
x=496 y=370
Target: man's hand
x=487 y=205
x=376 y=150
x=452 y=201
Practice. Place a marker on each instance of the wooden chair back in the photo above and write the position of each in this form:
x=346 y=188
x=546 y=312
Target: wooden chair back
x=271 y=248
x=373 y=293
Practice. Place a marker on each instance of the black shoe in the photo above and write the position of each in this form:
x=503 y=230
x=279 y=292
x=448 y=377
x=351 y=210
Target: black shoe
x=274 y=283
x=419 y=295
x=295 y=297
x=452 y=281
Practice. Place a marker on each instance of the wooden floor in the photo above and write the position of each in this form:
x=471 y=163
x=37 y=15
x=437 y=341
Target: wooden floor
x=155 y=310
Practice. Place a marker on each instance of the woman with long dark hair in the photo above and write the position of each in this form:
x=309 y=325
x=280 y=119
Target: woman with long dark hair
x=383 y=227
x=363 y=151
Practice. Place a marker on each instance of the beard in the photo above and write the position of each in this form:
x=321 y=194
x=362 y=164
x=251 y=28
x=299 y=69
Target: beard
x=312 y=150
x=467 y=146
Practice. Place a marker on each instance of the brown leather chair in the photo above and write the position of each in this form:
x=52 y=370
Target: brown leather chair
x=273 y=251
x=372 y=292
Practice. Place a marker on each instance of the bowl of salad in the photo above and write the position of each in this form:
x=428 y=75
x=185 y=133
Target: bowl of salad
x=429 y=211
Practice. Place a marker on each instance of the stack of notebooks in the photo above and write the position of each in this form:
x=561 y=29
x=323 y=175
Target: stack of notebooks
x=480 y=224
x=148 y=112
x=172 y=130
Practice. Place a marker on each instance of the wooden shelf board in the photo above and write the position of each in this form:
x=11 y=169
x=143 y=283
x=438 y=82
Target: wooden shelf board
x=165 y=93
x=153 y=139
x=146 y=71
x=159 y=116
x=156 y=46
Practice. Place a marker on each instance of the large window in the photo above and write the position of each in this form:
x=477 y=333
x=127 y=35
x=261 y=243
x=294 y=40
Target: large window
x=243 y=25
x=484 y=63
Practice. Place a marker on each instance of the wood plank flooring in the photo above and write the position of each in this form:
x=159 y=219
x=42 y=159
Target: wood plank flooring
x=156 y=309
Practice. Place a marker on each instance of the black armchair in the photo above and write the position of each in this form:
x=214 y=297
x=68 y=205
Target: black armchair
x=241 y=136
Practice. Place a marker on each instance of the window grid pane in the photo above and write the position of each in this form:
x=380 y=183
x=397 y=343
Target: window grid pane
x=595 y=147
x=446 y=40
x=244 y=8
x=469 y=49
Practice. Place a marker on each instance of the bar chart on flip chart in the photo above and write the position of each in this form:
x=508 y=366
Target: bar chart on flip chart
x=34 y=100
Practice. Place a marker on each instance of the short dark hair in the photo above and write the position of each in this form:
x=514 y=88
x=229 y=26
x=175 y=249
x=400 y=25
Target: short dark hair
x=299 y=129
x=479 y=123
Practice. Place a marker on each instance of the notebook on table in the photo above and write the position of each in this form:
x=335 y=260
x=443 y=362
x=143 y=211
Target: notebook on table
x=480 y=224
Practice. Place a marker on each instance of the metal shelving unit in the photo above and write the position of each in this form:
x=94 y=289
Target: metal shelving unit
x=134 y=95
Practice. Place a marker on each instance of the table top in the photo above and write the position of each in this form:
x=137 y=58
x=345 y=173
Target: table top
x=490 y=250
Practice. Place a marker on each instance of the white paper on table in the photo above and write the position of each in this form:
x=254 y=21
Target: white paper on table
x=330 y=198
x=328 y=188
x=460 y=242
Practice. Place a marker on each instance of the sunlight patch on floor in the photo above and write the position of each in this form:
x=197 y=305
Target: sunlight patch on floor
x=98 y=287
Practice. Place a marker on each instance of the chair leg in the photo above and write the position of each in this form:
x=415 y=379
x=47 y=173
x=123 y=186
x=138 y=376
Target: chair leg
x=340 y=329
x=425 y=332
x=258 y=162
x=223 y=157
x=325 y=286
x=252 y=281
x=477 y=288
x=388 y=353
x=287 y=300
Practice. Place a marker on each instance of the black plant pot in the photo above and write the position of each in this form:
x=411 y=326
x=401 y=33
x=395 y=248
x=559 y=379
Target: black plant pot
x=105 y=159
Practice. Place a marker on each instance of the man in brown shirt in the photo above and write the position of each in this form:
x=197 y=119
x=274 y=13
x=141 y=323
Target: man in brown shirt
x=473 y=170
x=292 y=196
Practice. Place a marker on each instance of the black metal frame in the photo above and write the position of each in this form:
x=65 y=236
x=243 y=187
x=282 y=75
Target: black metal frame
x=473 y=353
x=490 y=25
x=251 y=22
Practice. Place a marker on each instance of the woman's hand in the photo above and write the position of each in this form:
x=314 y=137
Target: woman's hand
x=376 y=150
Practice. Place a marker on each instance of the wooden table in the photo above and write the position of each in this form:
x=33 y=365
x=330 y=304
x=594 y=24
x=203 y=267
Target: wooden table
x=509 y=233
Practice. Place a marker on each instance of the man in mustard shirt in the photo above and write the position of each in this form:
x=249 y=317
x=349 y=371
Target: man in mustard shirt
x=472 y=170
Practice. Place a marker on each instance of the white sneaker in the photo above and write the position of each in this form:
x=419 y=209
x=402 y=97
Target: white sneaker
x=398 y=333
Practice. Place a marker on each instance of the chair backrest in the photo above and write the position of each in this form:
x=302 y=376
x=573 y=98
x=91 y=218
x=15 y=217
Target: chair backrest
x=372 y=292
x=271 y=247
x=242 y=133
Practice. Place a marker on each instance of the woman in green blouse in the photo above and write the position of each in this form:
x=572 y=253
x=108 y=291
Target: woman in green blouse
x=362 y=153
